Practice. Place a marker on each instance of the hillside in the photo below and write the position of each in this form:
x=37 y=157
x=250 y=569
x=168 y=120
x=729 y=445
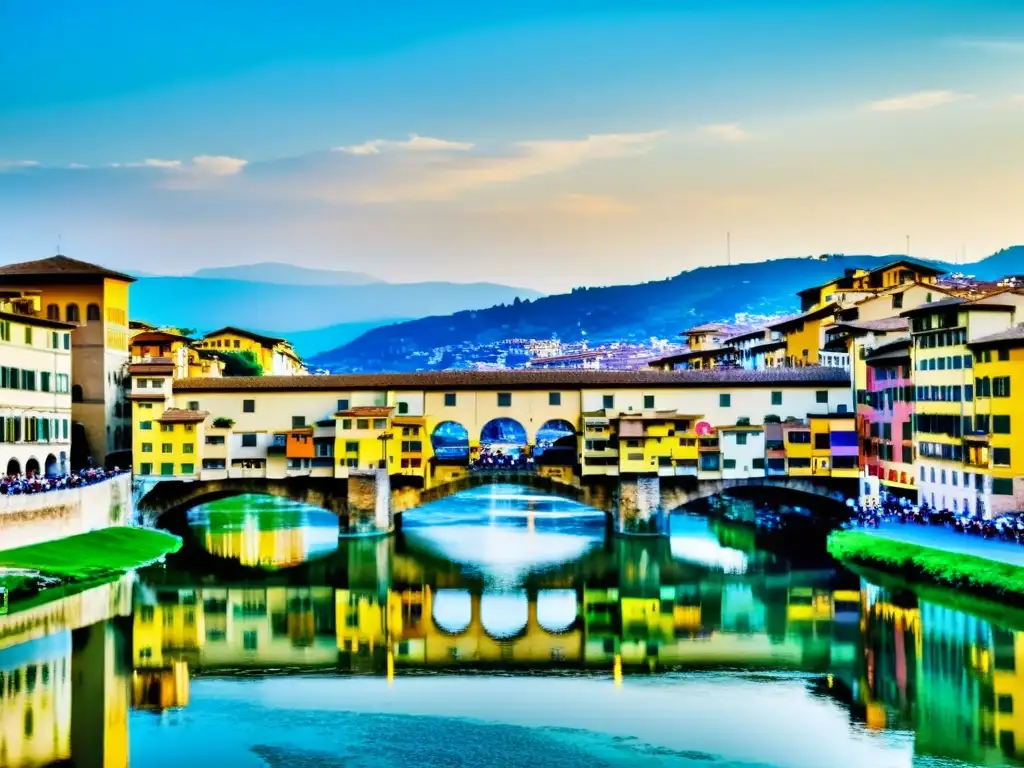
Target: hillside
x=626 y=312
x=211 y=303
x=285 y=274
x=313 y=342
x=1009 y=261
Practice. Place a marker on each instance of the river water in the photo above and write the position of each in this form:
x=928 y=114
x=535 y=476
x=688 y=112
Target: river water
x=501 y=628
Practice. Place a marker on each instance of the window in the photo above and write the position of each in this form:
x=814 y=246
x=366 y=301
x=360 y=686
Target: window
x=821 y=441
x=724 y=400
x=1001 y=386
x=28 y=334
x=72 y=313
x=554 y=398
x=249 y=440
x=821 y=396
x=412 y=446
x=214 y=464
x=351 y=446
x=248 y=406
x=608 y=401
x=380 y=423
x=403 y=408
x=52 y=312
x=346 y=424
x=193 y=405
x=758 y=463
x=776 y=398
x=166 y=469
x=166 y=427
x=362 y=423
x=1001 y=457
x=1002 y=486
x=1001 y=425
x=188 y=448
x=167 y=448
x=897 y=301
x=298 y=422
x=648 y=401
x=504 y=399
x=449 y=399
x=343 y=405
x=741 y=438
x=1004 y=355
x=729 y=464
x=145 y=425
x=215 y=439
x=92 y=313
x=145 y=469
x=188 y=469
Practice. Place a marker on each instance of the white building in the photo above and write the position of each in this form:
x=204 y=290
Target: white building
x=35 y=388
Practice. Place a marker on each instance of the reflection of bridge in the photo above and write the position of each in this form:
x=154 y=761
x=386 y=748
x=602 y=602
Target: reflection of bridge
x=373 y=501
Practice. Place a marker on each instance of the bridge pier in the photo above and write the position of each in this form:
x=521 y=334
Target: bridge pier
x=369 y=504
x=637 y=508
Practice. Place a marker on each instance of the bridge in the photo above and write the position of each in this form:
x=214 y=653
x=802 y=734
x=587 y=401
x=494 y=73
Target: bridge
x=372 y=501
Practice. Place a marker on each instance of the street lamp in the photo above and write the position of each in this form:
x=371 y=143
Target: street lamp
x=384 y=437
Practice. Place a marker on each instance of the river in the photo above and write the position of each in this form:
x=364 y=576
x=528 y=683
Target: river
x=502 y=627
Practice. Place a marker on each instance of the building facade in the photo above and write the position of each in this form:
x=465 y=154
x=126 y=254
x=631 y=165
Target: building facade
x=35 y=388
x=275 y=356
x=94 y=301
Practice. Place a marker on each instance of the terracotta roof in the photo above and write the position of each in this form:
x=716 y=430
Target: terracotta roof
x=1011 y=337
x=160 y=366
x=146 y=396
x=364 y=410
x=157 y=336
x=37 y=320
x=916 y=266
x=519 y=379
x=300 y=431
x=269 y=341
x=981 y=304
x=883 y=324
x=717 y=328
x=57 y=267
x=182 y=416
x=693 y=354
x=813 y=314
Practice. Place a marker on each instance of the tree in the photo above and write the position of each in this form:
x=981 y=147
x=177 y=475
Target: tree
x=242 y=363
x=189 y=332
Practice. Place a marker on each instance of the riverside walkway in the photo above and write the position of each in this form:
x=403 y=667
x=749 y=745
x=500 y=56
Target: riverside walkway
x=940 y=537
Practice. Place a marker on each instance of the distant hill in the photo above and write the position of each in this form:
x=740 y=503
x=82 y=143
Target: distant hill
x=625 y=312
x=285 y=274
x=195 y=302
x=313 y=342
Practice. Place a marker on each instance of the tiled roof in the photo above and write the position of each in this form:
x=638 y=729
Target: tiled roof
x=157 y=336
x=914 y=265
x=37 y=320
x=146 y=396
x=366 y=410
x=884 y=324
x=824 y=311
x=983 y=304
x=59 y=266
x=520 y=379
x=730 y=328
x=269 y=341
x=182 y=416
x=1010 y=335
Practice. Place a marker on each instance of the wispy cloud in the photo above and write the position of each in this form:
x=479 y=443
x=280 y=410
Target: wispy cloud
x=592 y=205
x=11 y=164
x=1017 y=98
x=725 y=132
x=206 y=165
x=415 y=143
x=991 y=45
x=910 y=102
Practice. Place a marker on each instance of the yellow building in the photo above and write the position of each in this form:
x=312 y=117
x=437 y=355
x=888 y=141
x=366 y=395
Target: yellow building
x=429 y=427
x=275 y=356
x=95 y=301
x=993 y=447
x=170 y=345
x=951 y=462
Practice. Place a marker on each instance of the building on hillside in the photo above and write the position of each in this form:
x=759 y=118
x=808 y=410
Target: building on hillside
x=95 y=301
x=587 y=360
x=35 y=388
x=188 y=360
x=886 y=422
x=276 y=356
x=758 y=348
x=431 y=426
x=945 y=396
x=993 y=448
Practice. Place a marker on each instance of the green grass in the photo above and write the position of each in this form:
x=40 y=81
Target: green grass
x=95 y=554
x=987 y=578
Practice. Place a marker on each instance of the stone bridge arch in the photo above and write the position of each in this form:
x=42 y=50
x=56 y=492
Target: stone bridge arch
x=675 y=496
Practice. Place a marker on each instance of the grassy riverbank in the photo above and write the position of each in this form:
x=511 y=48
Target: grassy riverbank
x=987 y=578
x=93 y=554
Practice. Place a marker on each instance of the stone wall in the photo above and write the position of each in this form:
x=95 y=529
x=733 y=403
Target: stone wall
x=39 y=517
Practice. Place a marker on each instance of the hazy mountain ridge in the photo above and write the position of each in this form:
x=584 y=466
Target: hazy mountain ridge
x=628 y=312
x=212 y=302
x=285 y=274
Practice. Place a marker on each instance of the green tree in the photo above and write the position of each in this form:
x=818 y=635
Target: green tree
x=242 y=363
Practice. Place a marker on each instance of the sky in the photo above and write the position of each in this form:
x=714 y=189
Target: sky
x=543 y=144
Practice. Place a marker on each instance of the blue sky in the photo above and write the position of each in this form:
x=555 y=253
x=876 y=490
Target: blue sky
x=553 y=143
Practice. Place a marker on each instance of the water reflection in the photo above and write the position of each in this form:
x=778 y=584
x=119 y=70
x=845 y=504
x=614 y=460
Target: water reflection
x=819 y=666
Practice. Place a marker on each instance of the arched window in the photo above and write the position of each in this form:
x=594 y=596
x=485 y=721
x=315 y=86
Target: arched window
x=72 y=314
x=92 y=312
x=52 y=312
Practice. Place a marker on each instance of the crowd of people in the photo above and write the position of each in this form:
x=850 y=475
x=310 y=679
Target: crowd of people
x=489 y=459
x=14 y=485
x=1008 y=527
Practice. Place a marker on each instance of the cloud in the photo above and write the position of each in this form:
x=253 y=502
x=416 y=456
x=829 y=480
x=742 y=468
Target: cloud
x=592 y=205
x=9 y=164
x=1017 y=98
x=917 y=101
x=991 y=45
x=725 y=132
x=414 y=143
x=218 y=165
